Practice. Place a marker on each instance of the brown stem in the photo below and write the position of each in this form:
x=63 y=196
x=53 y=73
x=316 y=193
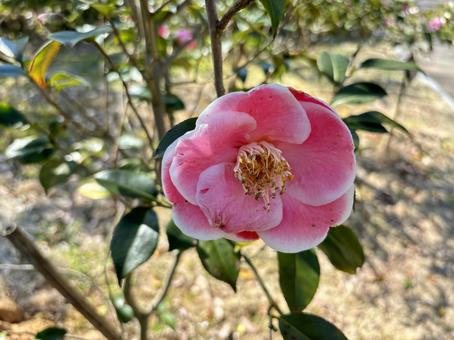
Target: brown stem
x=128 y=94
x=271 y=301
x=25 y=245
x=236 y=7
x=153 y=71
x=216 y=48
x=167 y=284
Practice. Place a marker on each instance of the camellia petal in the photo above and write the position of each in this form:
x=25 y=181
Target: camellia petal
x=211 y=143
x=324 y=165
x=222 y=199
x=304 y=226
x=277 y=112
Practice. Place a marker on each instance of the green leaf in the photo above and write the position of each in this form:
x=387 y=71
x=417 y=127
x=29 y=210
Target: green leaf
x=51 y=333
x=173 y=134
x=91 y=189
x=30 y=149
x=13 y=48
x=125 y=313
x=71 y=38
x=105 y=9
x=304 y=326
x=373 y=121
x=358 y=93
x=173 y=103
x=41 y=61
x=275 y=10
x=178 y=240
x=343 y=249
x=299 y=275
x=334 y=66
x=220 y=260
x=11 y=71
x=9 y=116
x=54 y=172
x=389 y=65
x=134 y=240
x=62 y=80
x=127 y=183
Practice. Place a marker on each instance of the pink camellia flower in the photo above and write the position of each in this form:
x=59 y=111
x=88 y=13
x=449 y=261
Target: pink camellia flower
x=272 y=163
x=185 y=36
x=163 y=31
x=434 y=25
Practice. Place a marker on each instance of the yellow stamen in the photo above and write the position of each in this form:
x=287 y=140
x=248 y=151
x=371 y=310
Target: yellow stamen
x=262 y=171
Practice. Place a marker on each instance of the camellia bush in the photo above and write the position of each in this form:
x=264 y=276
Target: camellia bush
x=262 y=161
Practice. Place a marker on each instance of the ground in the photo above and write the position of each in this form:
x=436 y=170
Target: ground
x=404 y=217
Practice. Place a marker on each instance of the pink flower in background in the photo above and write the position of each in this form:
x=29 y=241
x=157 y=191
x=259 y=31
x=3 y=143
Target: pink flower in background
x=185 y=36
x=163 y=31
x=272 y=163
x=434 y=25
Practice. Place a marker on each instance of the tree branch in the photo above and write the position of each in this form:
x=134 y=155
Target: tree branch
x=237 y=6
x=25 y=245
x=216 y=47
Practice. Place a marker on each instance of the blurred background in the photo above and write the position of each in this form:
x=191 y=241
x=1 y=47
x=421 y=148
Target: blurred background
x=404 y=211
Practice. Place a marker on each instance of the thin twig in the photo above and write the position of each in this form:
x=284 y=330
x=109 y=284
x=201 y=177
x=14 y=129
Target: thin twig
x=236 y=7
x=271 y=301
x=128 y=94
x=167 y=284
x=216 y=48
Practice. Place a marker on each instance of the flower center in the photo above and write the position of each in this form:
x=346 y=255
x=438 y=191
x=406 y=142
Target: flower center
x=262 y=171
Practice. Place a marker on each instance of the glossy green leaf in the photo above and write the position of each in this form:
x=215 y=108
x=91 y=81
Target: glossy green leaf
x=334 y=66
x=134 y=240
x=304 y=326
x=62 y=80
x=9 y=116
x=71 y=38
x=220 y=260
x=178 y=240
x=55 y=172
x=30 y=149
x=127 y=183
x=41 y=61
x=343 y=249
x=173 y=134
x=372 y=121
x=275 y=10
x=13 y=48
x=92 y=190
x=299 y=275
x=51 y=333
x=389 y=65
x=358 y=93
x=11 y=71
x=105 y=9
x=173 y=103
x=124 y=312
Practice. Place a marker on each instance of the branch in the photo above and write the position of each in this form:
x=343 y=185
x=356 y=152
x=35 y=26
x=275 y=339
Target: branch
x=25 y=245
x=167 y=284
x=237 y=6
x=216 y=48
x=262 y=284
x=128 y=95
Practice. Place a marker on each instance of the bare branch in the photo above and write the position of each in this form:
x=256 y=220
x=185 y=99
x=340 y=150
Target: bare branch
x=237 y=6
